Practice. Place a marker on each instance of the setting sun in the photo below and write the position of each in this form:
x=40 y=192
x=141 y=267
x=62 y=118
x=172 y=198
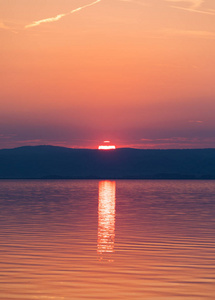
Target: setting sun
x=106 y=146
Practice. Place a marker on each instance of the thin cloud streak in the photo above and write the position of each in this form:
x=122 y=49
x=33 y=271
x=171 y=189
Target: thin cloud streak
x=176 y=143
x=49 y=20
x=134 y=2
x=195 y=10
x=194 y=121
x=193 y=33
x=192 y=3
x=194 y=6
x=3 y=26
x=60 y=16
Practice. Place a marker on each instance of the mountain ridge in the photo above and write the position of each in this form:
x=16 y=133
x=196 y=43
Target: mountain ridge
x=55 y=162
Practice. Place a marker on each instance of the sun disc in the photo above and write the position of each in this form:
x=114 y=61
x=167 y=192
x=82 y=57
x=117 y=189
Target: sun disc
x=105 y=147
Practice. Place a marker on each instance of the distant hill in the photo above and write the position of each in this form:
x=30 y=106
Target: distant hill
x=50 y=162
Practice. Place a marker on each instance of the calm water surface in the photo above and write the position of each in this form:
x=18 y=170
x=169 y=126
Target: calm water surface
x=136 y=240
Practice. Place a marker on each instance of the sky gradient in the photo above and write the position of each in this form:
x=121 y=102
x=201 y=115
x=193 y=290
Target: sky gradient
x=77 y=72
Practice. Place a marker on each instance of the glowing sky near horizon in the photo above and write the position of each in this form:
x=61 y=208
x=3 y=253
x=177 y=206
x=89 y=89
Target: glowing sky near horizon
x=137 y=72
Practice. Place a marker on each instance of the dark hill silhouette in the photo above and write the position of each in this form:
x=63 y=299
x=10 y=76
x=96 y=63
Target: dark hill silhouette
x=36 y=162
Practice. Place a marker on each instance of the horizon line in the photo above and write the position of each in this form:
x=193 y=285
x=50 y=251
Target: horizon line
x=96 y=148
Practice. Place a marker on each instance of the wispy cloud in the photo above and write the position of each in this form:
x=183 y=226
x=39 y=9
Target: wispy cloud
x=177 y=143
x=195 y=121
x=7 y=136
x=135 y=2
x=194 y=6
x=205 y=12
x=48 y=20
x=6 y=27
x=191 y=33
x=196 y=3
x=3 y=26
x=60 y=16
x=191 y=3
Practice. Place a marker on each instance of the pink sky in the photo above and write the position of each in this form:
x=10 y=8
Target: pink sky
x=138 y=73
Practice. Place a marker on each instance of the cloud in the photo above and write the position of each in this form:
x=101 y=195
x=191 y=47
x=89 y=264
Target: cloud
x=135 y=2
x=7 y=136
x=191 y=6
x=53 y=19
x=3 y=26
x=206 y=12
x=191 y=33
x=177 y=143
x=191 y=3
x=60 y=16
x=196 y=3
x=194 y=121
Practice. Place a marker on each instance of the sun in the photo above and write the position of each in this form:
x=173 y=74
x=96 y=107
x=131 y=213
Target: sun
x=107 y=146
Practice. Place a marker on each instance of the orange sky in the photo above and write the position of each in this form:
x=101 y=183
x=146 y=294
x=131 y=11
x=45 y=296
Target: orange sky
x=77 y=72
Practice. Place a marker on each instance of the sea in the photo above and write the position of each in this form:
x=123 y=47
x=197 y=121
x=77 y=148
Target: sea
x=102 y=240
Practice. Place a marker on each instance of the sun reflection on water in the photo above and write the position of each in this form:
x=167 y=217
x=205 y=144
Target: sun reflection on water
x=106 y=217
